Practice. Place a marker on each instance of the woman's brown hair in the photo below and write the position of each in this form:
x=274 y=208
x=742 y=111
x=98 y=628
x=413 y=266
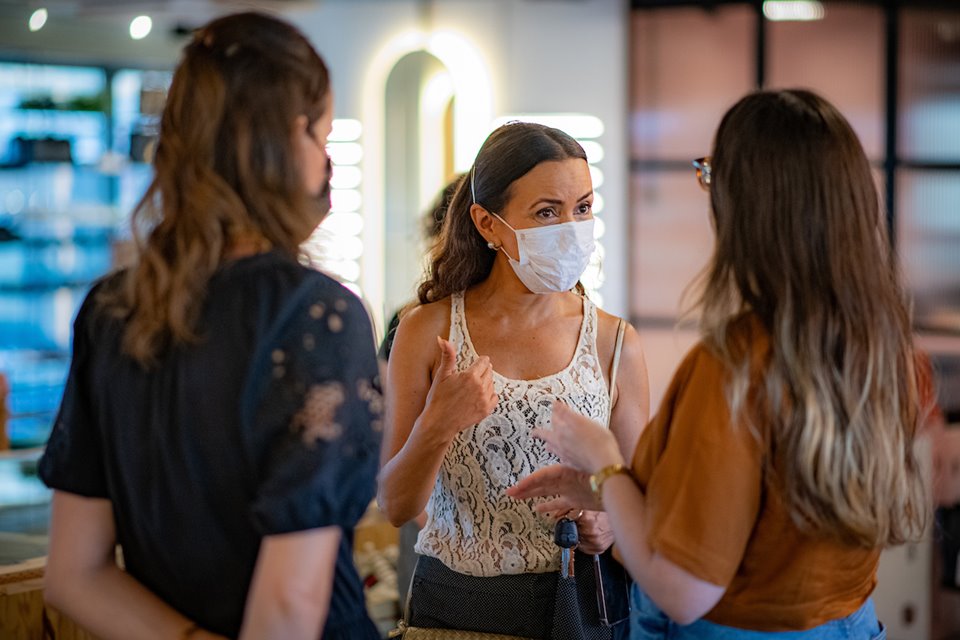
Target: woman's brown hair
x=461 y=258
x=802 y=246
x=225 y=169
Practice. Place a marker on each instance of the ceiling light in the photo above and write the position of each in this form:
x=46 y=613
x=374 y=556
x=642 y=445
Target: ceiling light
x=796 y=10
x=37 y=19
x=140 y=27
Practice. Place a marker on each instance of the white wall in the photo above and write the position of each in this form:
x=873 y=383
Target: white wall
x=542 y=56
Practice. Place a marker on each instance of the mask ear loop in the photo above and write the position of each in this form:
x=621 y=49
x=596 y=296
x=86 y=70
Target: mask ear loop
x=473 y=196
x=473 y=190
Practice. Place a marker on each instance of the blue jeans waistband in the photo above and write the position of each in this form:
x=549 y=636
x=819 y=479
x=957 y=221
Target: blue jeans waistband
x=647 y=622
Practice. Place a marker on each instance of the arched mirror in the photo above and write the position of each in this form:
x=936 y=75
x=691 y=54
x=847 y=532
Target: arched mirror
x=419 y=161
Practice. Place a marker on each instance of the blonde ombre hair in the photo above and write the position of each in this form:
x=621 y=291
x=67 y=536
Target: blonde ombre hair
x=802 y=246
x=225 y=171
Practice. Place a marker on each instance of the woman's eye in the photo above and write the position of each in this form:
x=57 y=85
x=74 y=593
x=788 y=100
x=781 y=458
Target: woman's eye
x=584 y=208
x=546 y=212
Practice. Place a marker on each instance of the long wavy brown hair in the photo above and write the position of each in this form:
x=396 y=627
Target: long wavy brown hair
x=460 y=258
x=802 y=245
x=225 y=168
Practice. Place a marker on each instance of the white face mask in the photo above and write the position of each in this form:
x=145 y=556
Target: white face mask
x=552 y=258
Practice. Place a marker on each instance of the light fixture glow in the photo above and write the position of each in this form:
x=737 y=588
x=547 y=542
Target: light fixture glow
x=473 y=108
x=593 y=149
x=334 y=247
x=344 y=200
x=349 y=247
x=348 y=270
x=140 y=27
x=793 y=10
x=576 y=125
x=435 y=97
x=599 y=228
x=37 y=19
x=345 y=130
x=346 y=223
x=345 y=177
x=597 y=203
x=345 y=152
x=596 y=175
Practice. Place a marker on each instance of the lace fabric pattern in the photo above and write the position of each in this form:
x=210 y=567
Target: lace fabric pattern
x=472 y=527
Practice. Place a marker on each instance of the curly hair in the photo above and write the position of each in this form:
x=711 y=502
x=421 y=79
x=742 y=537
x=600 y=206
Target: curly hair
x=225 y=168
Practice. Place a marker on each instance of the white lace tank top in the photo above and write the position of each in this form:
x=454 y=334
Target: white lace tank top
x=472 y=527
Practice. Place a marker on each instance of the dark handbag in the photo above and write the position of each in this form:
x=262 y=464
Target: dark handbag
x=613 y=589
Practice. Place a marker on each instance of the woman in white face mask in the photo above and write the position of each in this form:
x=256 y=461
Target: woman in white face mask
x=504 y=330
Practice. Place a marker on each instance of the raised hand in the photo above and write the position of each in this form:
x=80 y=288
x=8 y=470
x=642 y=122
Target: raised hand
x=458 y=400
x=579 y=441
x=568 y=489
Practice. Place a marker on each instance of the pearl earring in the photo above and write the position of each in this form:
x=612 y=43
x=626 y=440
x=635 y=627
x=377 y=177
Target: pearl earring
x=492 y=246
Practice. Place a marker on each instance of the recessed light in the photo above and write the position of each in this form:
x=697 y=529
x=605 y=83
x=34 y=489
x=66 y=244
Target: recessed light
x=140 y=27
x=793 y=10
x=37 y=19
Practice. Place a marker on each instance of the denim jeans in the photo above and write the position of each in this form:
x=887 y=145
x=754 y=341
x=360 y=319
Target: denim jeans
x=647 y=622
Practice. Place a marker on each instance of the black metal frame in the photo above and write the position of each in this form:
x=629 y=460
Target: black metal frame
x=891 y=161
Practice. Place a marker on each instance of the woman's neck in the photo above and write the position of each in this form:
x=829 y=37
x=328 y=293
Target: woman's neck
x=245 y=244
x=502 y=293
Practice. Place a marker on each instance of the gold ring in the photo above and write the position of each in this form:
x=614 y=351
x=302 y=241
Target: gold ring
x=578 y=516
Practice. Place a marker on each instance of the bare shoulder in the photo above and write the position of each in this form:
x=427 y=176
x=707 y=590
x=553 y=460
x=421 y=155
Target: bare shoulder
x=420 y=325
x=607 y=339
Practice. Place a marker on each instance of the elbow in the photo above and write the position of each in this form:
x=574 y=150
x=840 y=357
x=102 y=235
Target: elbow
x=397 y=521
x=56 y=588
x=393 y=512
x=689 y=606
x=683 y=614
x=53 y=596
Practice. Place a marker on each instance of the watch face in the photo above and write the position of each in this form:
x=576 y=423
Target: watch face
x=597 y=479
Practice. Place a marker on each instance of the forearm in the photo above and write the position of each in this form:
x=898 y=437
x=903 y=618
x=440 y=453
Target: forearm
x=625 y=506
x=292 y=585
x=407 y=479
x=678 y=593
x=111 y=604
x=283 y=619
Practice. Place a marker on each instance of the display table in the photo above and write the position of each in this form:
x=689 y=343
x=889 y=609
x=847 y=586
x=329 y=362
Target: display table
x=23 y=614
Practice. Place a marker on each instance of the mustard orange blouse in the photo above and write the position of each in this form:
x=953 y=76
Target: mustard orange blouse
x=712 y=513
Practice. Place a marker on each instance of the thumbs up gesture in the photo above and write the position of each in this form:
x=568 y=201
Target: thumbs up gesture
x=458 y=400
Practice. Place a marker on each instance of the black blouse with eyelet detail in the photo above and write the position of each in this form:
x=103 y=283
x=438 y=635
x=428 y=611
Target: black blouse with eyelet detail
x=269 y=425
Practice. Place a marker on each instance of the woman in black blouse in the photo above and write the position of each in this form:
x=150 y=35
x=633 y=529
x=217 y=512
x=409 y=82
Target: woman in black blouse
x=221 y=417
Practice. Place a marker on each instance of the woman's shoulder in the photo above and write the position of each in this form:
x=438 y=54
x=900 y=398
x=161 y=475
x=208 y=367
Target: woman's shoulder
x=420 y=326
x=96 y=311
x=608 y=326
x=426 y=317
x=274 y=274
x=607 y=323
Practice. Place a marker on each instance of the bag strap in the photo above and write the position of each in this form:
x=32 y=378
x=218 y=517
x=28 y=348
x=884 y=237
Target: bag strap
x=621 y=329
x=404 y=622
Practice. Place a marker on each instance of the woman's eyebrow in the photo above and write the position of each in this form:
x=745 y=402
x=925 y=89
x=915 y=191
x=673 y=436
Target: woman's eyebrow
x=555 y=201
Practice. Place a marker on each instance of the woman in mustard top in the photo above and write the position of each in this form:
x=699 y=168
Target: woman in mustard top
x=781 y=461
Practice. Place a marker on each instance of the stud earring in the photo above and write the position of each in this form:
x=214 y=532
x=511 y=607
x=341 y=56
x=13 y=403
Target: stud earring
x=492 y=246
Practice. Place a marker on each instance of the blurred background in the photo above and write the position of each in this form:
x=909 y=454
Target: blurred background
x=418 y=86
